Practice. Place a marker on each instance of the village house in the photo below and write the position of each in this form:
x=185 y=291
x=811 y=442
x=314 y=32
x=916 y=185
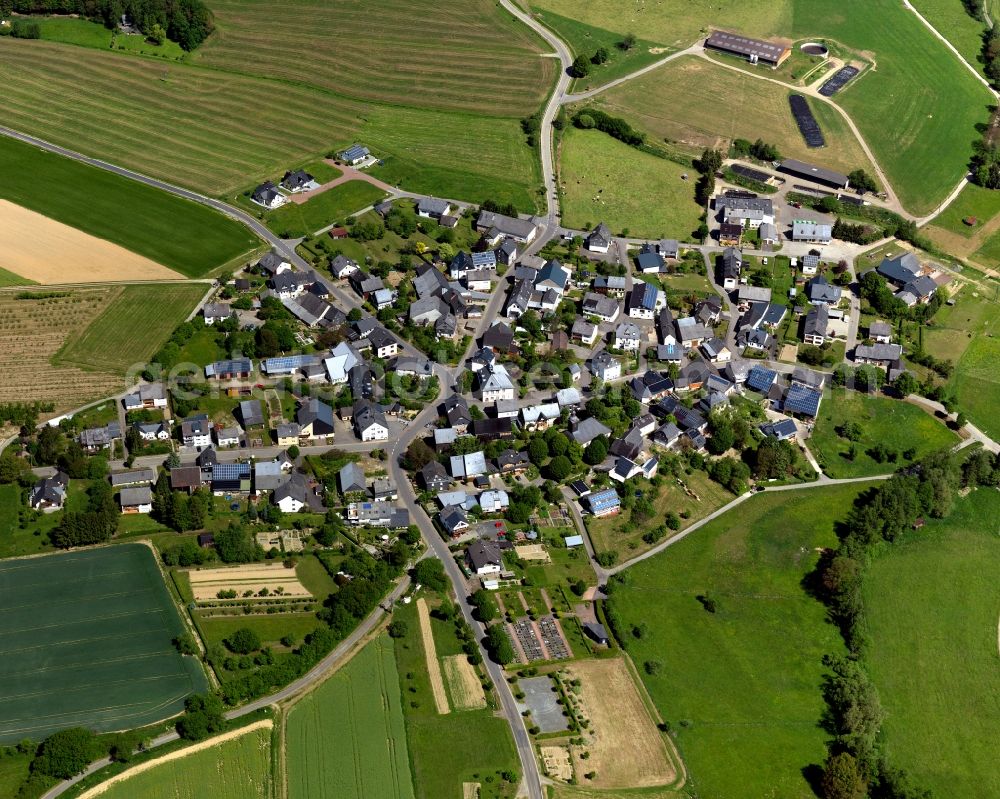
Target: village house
x=267 y=196
x=149 y=396
x=49 y=494
x=136 y=500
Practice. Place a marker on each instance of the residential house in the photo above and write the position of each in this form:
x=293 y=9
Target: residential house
x=383 y=343
x=507 y=252
x=185 y=478
x=716 y=351
x=94 y=439
x=584 y=332
x=802 y=401
x=153 y=431
x=499 y=337
x=744 y=211
x=552 y=277
x=746 y=294
x=49 y=493
x=298 y=180
x=295 y=494
x=480 y=280
x=354 y=155
x=492 y=429
x=599 y=239
x=512 y=462
x=369 y=421
x=668 y=248
x=434 y=477
x=810 y=265
x=521 y=230
x=649 y=260
x=645 y=300
x=268 y=196
x=628 y=337
x=494 y=384
x=433 y=208
x=377 y=514
x=880 y=332
x=768 y=234
x=604 y=308
x=365 y=285
x=691 y=333
x=485 y=559
x=227 y=437
x=732 y=266
x=586 y=430
x=782 y=430
x=817 y=325
x=149 y=396
x=267 y=476
x=881 y=355
x=234 y=369
x=731 y=234
x=454 y=520
x=288 y=434
x=272 y=263
x=230 y=478
x=604 y=366
x=342 y=266
x=351 y=478
x=540 y=417
x=761 y=379
x=383 y=490
x=818 y=290
x=315 y=420
x=568 y=398
x=604 y=503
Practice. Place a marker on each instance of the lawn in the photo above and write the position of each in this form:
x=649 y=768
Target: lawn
x=620 y=534
x=177 y=233
x=435 y=55
x=896 y=424
x=989 y=253
x=269 y=628
x=669 y=103
x=131 y=328
x=446 y=751
x=131 y=111
x=741 y=687
x=30 y=538
x=87 y=641
x=84 y=32
x=607 y=181
x=975 y=201
x=956 y=25
x=346 y=739
x=585 y=40
x=238 y=768
x=333 y=205
x=931 y=611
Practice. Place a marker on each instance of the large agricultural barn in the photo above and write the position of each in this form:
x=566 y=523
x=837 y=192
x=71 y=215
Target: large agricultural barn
x=756 y=51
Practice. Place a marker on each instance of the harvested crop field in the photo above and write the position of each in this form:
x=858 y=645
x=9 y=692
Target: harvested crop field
x=425 y=53
x=347 y=739
x=46 y=251
x=33 y=331
x=206 y=583
x=87 y=640
x=433 y=666
x=463 y=683
x=626 y=749
x=130 y=330
x=234 y=765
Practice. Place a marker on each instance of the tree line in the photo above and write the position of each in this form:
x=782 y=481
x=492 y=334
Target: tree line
x=187 y=22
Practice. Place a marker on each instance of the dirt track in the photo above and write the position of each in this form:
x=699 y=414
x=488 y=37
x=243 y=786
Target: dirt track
x=46 y=251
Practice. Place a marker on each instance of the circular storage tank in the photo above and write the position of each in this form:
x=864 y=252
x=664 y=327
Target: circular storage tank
x=815 y=48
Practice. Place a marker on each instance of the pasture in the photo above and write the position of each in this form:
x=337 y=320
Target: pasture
x=479 y=744
x=977 y=242
x=43 y=250
x=131 y=327
x=180 y=234
x=294 y=220
x=87 y=641
x=435 y=55
x=234 y=765
x=977 y=386
x=669 y=103
x=188 y=125
x=33 y=330
x=746 y=679
x=604 y=180
x=956 y=25
x=625 y=747
x=346 y=738
x=931 y=616
x=897 y=425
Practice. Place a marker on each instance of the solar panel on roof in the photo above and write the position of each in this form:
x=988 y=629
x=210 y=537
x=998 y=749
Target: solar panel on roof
x=761 y=379
x=800 y=399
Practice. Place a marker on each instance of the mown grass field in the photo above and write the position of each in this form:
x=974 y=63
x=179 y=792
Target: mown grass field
x=954 y=23
x=974 y=201
x=741 y=687
x=87 y=641
x=988 y=253
x=177 y=233
x=931 y=612
x=294 y=221
x=346 y=739
x=190 y=126
x=131 y=328
x=977 y=384
x=698 y=104
x=607 y=181
x=479 y=743
x=238 y=768
x=438 y=55
x=10 y=279
x=896 y=424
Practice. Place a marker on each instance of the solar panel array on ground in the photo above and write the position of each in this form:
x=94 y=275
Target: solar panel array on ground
x=87 y=642
x=837 y=81
x=808 y=126
x=750 y=173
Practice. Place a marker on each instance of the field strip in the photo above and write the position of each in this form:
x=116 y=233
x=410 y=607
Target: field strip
x=46 y=251
x=97 y=790
x=430 y=654
x=466 y=689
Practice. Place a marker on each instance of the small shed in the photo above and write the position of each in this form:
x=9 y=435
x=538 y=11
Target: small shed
x=573 y=541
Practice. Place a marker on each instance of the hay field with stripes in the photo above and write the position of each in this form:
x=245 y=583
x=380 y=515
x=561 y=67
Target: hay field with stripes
x=470 y=56
x=86 y=639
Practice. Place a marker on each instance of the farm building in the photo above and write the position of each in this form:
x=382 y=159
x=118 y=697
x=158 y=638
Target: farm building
x=816 y=174
x=756 y=51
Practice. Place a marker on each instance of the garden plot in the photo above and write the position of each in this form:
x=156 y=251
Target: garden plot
x=279 y=581
x=463 y=683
